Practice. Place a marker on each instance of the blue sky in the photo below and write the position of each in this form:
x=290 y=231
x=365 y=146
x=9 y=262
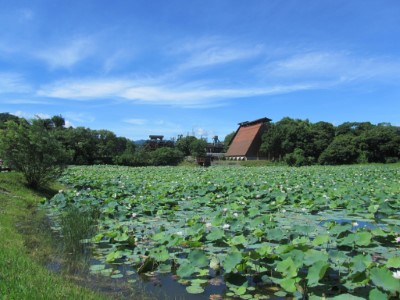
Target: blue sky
x=200 y=66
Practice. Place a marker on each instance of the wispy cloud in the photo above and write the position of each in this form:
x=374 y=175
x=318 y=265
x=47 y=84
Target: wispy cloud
x=66 y=54
x=136 y=121
x=13 y=83
x=213 y=51
x=79 y=117
x=190 y=95
x=26 y=101
x=337 y=66
x=29 y=115
x=85 y=89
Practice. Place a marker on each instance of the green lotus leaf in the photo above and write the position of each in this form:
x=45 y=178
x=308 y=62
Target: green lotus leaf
x=264 y=250
x=321 y=239
x=393 y=262
x=194 y=289
x=361 y=262
x=287 y=267
x=198 y=258
x=316 y=272
x=160 y=254
x=275 y=234
x=376 y=294
x=384 y=279
x=301 y=240
x=289 y=284
x=185 y=270
x=378 y=232
x=312 y=256
x=122 y=237
x=363 y=238
x=114 y=255
x=238 y=240
x=215 y=234
x=231 y=260
x=346 y=297
x=297 y=256
x=97 y=268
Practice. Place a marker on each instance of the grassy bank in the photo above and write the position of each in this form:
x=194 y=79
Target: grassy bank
x=23 y=247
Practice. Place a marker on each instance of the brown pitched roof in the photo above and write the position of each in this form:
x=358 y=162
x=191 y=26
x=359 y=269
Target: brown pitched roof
x=244 y=139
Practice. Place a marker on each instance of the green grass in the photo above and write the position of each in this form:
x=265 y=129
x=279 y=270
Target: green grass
x=23 y=247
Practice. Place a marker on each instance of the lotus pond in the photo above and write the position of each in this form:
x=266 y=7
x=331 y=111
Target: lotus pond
x=248 y=233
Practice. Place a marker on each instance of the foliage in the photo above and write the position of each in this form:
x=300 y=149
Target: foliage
x=198 y=147
x=299 y=231
x=300 y=142
x=166 y=156
x=228 y=139
x=23 y=248
x=341 y=151
x=190 y=145
x=33 y=150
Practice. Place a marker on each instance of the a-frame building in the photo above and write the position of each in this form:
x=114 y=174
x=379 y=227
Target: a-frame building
x=245 y=144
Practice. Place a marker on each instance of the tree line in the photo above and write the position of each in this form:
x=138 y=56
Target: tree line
x=41 y=148
x=300 y=142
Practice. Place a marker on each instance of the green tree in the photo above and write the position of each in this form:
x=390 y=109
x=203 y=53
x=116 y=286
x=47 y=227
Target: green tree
x=33 y=150
x=183 y=144
x=198 y=147
x=228 y=140
x=128 y=157
x=166 y=156
x=343 y=150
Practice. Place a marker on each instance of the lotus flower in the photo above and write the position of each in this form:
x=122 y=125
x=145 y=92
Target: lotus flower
x=396 y=274
x=397 y=239
x=226 y=226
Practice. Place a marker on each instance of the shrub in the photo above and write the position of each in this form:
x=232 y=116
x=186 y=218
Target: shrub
x=33 y=150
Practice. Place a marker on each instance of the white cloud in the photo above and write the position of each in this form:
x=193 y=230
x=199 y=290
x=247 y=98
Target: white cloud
x=84 y=89
x=13 y=83
x=28 y=115
x=79 y=117
x=340 y=67
x=194 y=95
x=68 y=124
x=67 y=54
x=136 y=121
x=212 y=51
x=25 y=101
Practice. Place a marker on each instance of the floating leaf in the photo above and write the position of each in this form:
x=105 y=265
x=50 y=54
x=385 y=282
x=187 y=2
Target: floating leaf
x=194 y=289
x=363 y=238
x=97 y=268
x=346 y=297
x=289 y=284
x=321 y=239
x=287 y=268
x=384 y=279
x=231 y=260
x=198 y=258
x=376 y=294
x=393 y=262
x=238 y=240
x=160 y=254
x=185 y=270
x=316 y=272
x=361 y=262
x=215 y=234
